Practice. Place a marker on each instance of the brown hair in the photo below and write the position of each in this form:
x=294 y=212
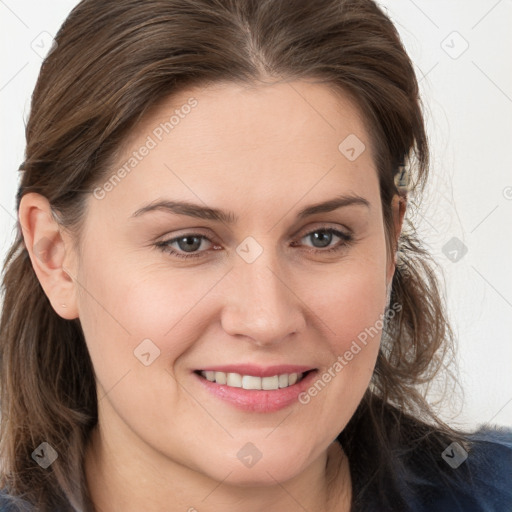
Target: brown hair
x=113 y=61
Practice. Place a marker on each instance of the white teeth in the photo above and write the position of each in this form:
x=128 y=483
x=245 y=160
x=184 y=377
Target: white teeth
x=235 y=380
x=270 y=382
x=283 y=381
x=220 y=377
x=250 y=382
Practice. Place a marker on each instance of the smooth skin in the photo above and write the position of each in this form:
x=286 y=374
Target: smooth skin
x=163 y=443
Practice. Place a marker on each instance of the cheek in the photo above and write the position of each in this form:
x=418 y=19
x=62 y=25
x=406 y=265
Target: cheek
x=349 y=298
x=120 y=307
x=351 y=312
x=357 y=309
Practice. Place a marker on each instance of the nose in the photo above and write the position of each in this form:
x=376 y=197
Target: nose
x=261 y=304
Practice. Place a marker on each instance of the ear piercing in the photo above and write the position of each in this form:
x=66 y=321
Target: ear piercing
x=403 y=179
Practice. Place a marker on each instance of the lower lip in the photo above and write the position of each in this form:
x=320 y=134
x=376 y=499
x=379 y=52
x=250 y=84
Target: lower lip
x=255 y=400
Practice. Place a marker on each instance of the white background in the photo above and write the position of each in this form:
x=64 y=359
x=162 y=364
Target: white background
x=468 y=106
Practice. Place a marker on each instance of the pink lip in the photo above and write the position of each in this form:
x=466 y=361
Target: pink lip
x=253 y=400
x=258 y=371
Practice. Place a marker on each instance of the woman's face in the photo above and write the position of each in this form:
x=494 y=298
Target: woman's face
x=271 y=286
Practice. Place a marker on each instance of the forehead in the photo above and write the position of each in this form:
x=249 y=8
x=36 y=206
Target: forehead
x=271 y=112
x=266 y=143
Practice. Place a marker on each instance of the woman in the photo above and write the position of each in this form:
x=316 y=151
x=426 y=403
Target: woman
x=211 y=303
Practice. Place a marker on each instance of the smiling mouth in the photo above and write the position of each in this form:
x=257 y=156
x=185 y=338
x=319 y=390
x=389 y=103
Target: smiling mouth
x=237 y=380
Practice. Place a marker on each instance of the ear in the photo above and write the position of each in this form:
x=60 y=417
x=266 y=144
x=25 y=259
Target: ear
x=50 y=252
x=398 y=207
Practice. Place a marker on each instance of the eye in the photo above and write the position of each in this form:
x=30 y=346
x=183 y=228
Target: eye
x=188 y=245
x=323 y=237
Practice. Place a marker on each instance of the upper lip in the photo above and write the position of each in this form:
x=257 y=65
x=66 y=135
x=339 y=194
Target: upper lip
x=258 y=371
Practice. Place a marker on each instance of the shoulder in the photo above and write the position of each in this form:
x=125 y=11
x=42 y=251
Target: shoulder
x=5 y=502
x=10 y=503
x=418 y=467
x=478 y=479
x=490 y=463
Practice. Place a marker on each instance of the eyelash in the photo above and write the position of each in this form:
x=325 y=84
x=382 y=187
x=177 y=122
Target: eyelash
x=346 y=240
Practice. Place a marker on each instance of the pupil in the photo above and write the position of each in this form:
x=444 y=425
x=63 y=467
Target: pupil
x=324 y=238
x=191 y=244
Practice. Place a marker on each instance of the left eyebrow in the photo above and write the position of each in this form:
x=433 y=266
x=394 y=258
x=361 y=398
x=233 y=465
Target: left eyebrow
x=203 y=212
x=334 y=204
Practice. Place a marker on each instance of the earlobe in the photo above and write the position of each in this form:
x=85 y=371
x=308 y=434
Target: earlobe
x=48 y=250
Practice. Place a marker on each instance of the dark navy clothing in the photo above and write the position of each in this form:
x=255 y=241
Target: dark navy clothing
x=484 y=480
x=488 y=478
x=458 y=481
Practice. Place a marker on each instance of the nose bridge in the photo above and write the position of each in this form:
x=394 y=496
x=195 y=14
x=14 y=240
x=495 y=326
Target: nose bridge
x=261 y=305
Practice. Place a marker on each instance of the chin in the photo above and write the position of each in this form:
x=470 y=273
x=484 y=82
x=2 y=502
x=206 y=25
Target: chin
x=254 y=468
x=264 y=475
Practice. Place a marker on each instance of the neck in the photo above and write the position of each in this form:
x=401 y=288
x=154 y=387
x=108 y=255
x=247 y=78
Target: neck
x=121 y=477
